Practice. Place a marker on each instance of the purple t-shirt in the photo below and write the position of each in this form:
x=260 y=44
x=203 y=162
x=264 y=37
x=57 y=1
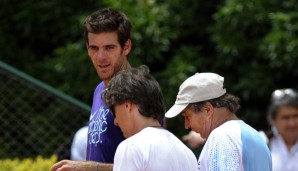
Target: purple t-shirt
x=103 y=135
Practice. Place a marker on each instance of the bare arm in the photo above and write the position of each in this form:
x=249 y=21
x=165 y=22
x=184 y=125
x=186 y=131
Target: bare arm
x=193 y=139
x=69 y=165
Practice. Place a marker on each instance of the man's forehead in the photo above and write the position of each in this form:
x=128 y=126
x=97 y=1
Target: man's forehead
x=185 y=112
x=104 y=37
x=284 y=110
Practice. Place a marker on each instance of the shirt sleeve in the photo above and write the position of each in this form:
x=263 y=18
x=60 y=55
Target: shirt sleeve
x=128 y=157
x=225 y=154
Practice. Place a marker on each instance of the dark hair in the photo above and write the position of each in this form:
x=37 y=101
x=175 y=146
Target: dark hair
x=282 y=97
x=108 y=20
x=139 y=87
x=229 y=101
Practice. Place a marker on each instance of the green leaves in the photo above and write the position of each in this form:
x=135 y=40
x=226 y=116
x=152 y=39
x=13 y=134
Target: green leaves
x=252 y=43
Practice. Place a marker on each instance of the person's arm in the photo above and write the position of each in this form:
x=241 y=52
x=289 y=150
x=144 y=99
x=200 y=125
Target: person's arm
x=193 y=139
x=69 y=165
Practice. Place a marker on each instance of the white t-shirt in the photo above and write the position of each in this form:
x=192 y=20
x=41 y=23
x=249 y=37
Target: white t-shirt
x=154 y=149
x=79 y=144
x=282 y=158
x=237 y=146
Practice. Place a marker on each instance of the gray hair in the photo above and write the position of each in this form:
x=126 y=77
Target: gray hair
x=229 y=101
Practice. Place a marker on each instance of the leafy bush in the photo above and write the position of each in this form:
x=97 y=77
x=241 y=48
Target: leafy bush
x=28 y=164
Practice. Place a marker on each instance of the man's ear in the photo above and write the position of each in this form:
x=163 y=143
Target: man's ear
x=209 y=108
x=128 y=105
x=127 y=47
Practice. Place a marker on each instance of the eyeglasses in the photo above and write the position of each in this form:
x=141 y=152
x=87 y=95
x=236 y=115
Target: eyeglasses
x=282 y=93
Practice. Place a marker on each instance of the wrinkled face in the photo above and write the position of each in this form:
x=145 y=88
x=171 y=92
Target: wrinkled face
x=197 y=121
x=107 y=56
x=286 y=121
x=124 y=119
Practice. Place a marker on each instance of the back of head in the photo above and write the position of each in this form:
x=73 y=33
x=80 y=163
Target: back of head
x=282 y=97
x=138 y=86
x=108 y=20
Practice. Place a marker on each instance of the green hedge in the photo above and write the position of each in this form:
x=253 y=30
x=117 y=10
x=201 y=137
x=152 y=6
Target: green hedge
x=28 y=164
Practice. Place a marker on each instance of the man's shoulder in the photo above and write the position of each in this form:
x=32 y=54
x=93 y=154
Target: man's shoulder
x=264 y=136
x=98 y=89
x=141 y=139
x=229 y=127
x=100 y=86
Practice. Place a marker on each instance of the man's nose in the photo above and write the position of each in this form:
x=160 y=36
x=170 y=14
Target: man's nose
x=293 y=121
x=101 y=54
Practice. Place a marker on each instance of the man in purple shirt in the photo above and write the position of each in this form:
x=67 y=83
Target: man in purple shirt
x=103 y=135
x=108 y=44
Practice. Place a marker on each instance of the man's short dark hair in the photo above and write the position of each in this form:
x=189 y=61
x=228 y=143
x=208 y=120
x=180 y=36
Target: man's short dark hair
x=108 y=20
x=139 y=87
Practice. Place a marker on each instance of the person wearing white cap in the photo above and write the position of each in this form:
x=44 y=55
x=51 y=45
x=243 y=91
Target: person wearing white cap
x=209 y=110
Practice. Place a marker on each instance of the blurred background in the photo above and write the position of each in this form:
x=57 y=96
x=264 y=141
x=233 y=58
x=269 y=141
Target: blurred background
x=47 y=79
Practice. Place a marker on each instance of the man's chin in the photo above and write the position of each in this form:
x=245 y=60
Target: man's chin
x=105 y=76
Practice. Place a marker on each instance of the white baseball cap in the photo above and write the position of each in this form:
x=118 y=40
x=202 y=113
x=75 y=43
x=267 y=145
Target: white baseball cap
x=197 y=88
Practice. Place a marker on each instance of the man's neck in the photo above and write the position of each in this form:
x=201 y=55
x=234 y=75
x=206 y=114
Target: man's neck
x=148 y=122
x=221 y=116
x=125 y=66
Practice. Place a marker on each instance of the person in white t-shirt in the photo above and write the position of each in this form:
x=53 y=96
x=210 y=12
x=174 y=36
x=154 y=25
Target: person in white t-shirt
x=231 y=144
x=79 y=144
x=136 y=101
x=283 y=136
